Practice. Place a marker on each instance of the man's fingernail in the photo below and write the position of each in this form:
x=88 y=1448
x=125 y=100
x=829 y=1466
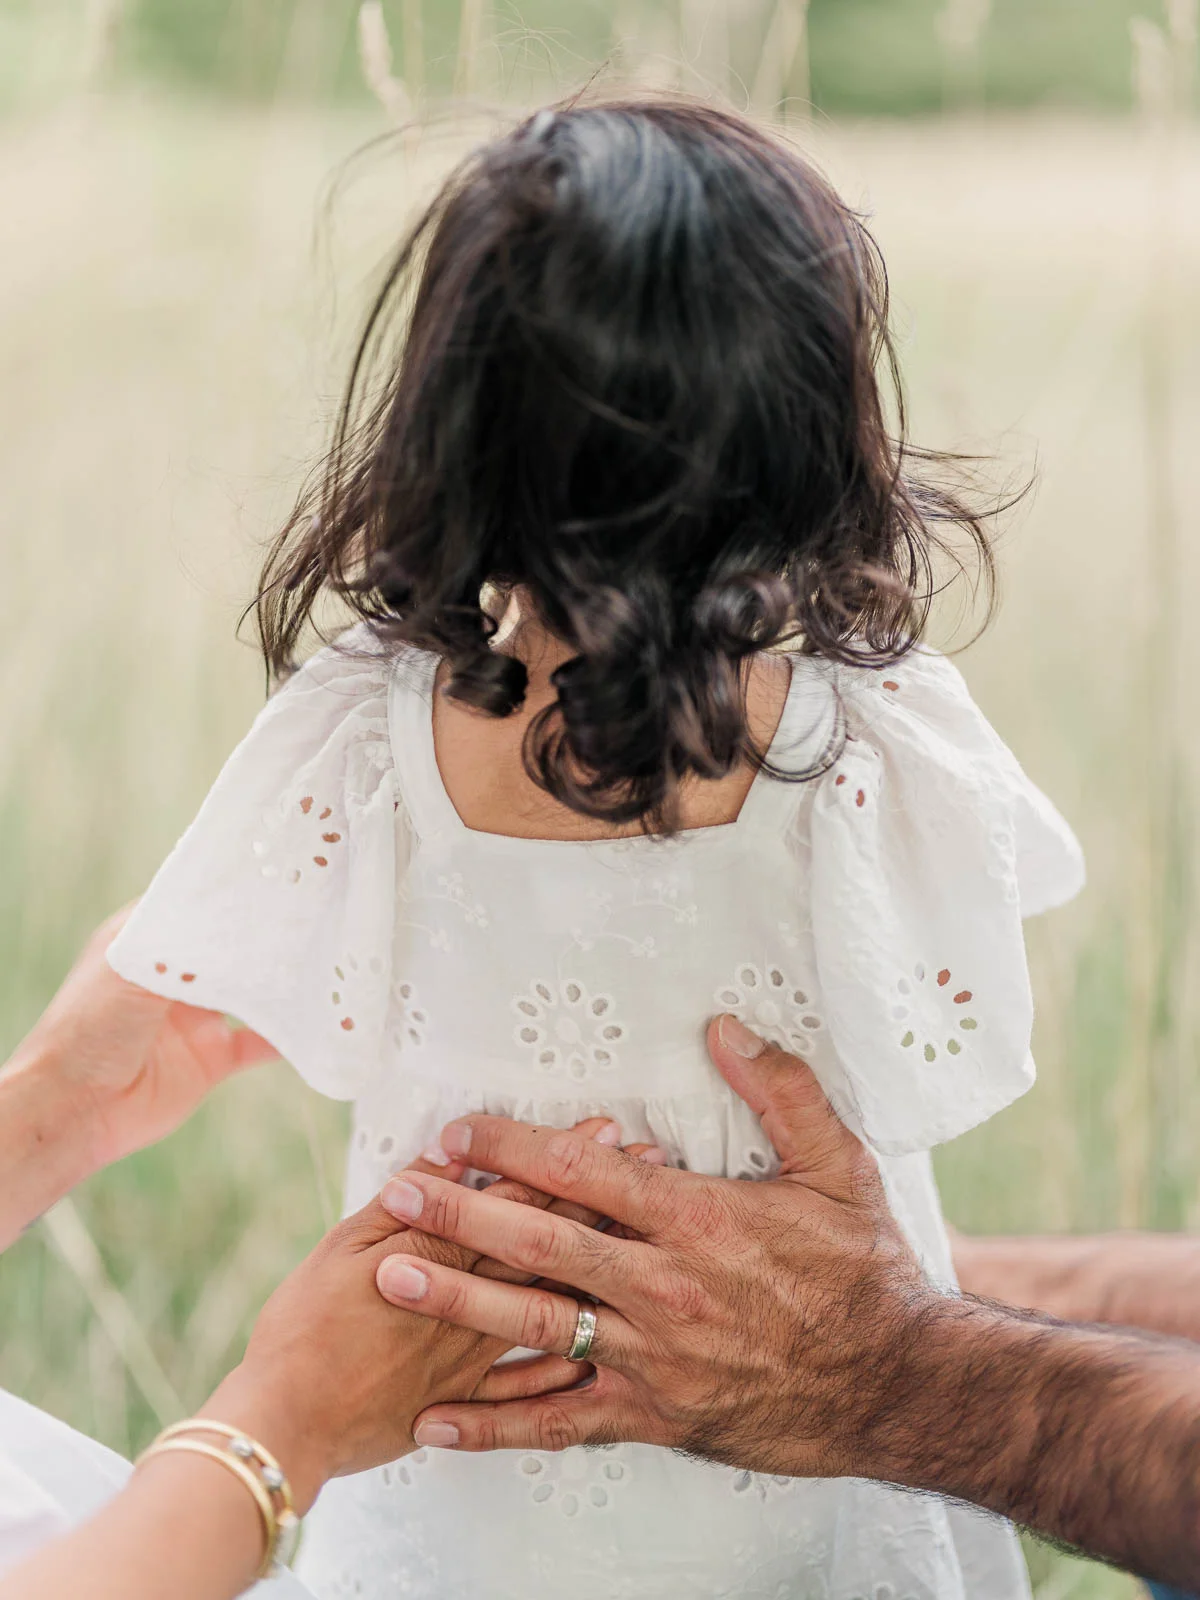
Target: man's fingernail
x=655 y=1156
x=403 y=1200
x=610 y=1133
x=442 y=1435
x=456 y=1139
x=435 y=1156
x=736 y=1036
x=399 y=1281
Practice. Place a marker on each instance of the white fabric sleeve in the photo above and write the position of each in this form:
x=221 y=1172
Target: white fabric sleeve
x=928 y=844
x=277 y=905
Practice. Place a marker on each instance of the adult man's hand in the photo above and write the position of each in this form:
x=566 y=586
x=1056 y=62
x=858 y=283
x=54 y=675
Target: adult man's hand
x=675 y=1365
x=785 y=1327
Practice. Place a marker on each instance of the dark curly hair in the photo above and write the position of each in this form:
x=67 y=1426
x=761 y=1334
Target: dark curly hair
x=629 y=361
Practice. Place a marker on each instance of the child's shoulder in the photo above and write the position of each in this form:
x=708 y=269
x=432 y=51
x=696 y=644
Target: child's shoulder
x=918 y=711
x=923 y=683
x=919 y=771
x=354 y=669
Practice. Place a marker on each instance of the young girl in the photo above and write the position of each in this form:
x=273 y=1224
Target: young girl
x=704 y=766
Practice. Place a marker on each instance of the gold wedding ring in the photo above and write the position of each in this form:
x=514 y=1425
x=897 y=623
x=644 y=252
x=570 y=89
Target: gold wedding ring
x=585 y=1332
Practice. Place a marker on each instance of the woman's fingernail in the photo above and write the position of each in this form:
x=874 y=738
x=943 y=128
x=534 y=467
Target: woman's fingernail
x=435 y=1156
x=403 y=1200
x=736 y=1036
x=457 y=1138
x=399 y=1281
x=655 y=1156
x=443 y=1435
x=610 y=1133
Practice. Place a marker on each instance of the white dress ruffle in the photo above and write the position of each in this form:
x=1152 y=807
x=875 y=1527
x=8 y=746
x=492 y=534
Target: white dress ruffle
x=329 y=895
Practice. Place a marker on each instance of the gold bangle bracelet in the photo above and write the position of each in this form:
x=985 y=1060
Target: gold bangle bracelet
x=241 y=1471
x=273 y=1475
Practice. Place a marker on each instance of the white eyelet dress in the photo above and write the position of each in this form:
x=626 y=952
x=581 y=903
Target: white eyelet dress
x=870 y=919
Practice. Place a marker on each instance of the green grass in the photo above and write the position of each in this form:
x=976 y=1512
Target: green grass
x=168 y=338
x=869 y=57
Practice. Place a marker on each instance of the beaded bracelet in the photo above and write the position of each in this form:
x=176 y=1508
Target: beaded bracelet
x=255 y=1467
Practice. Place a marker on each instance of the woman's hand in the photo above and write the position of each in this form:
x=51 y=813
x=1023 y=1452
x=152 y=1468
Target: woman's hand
x=330 y=1383
x=334 y=1376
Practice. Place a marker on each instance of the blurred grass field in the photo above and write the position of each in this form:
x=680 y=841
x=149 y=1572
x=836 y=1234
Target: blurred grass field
x=176 y=296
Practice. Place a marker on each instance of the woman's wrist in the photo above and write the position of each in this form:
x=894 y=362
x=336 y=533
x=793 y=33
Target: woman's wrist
x=271 y=1411
x=47 y=1142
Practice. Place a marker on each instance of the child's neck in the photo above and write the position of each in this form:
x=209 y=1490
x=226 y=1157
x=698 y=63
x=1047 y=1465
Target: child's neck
x=482 y=767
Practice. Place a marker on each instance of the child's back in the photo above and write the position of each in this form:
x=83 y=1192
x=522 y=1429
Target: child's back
x=548 y=959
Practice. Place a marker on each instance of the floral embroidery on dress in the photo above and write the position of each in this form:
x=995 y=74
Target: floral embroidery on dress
x=452 y=888
x=576 y=1480
x=660 y=894
x=665 y=892
x=771 y=1003
x=912 y=995
x=565 y=1028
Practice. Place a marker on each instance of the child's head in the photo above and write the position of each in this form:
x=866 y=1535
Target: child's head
x=627 y=363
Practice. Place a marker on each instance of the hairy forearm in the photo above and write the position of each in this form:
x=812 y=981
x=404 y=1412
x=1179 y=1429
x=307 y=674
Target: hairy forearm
x=1135 y=1280
x=45 y=1146
x=1084 y=1435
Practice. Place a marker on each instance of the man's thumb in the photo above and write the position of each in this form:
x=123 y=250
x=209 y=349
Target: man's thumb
x=810 y=1139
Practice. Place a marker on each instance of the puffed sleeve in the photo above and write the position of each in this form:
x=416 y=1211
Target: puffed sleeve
x=277 y=905
x=928 y=845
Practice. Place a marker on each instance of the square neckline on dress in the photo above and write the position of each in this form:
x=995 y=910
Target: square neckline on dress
x=434 y=814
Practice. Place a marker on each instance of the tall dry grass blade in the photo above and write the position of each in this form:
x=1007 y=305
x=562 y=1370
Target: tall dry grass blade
x=704 y=41
x=321 y=1177
x=467 y=74
x=101 y=27
x=1183 y=24
x=1156 y=88
x=223 y=1304
x=646 y=45
x=627 y=36
x=305 y=58
x=375 y=56
x=77 y=1248
x=413 y=34
x=783 y=69
x=1152 y=73
x=960 y=26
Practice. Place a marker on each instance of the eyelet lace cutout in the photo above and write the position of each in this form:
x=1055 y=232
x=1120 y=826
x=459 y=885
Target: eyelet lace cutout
x=567 y=1030
x=304 y=840
x=410 y=1020
x=912 y=1010
x=756 y=1163
x=765 y=1486
x=348 y=979
x=774 y=1005
x=575 y=1481
x=403 y=1474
